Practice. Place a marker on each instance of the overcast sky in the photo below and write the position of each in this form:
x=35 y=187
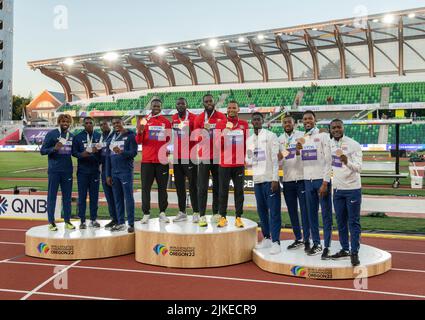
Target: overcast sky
x=98 y=25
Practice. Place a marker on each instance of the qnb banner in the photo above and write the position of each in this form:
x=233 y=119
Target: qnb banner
x=26 y=207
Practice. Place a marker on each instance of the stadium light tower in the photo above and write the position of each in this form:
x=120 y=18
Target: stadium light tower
x=213 y=43
x=388 y=19
x=241 y=39
x=111 y=56
x=69 y=62
x=412 y=15
x=160 y=50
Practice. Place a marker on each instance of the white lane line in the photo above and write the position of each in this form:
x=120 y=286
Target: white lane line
x=236 y=279
x=29 y=170
x=57 y=294
x=50 y=279
x=408 y=270
x=14 y=230
x=406 y=252
x=73 y=296
x=13 y=243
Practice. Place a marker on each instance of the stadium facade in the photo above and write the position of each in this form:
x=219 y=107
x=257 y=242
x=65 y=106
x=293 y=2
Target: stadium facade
x=6 y=59
x=377 y=46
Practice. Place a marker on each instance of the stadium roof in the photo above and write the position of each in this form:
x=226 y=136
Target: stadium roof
x=382 y=44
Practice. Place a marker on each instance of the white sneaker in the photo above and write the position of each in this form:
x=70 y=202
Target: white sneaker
x=215 y=218
x=145 y=219
x=195 y=217
x=265 y=244
x=181 y=217
x=275 y=249
x=163 y=218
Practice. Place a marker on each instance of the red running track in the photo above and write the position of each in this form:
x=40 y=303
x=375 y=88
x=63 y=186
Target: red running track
x=22 y=277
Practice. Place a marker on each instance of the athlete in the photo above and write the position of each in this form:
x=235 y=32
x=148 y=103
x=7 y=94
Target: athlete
x=58 y=147
x=262 y=154
x=314 y=149
x=205 y=131
x=122 y=149
x=183 y=123
x=232 y=144
x=293 y=183
x=347 y=160
x=154 y=134
x=85 y=150
x=105 y=138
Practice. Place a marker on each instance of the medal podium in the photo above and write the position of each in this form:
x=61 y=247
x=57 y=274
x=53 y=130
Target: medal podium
x=186 y=245
x=77 y=244
x=296 y=263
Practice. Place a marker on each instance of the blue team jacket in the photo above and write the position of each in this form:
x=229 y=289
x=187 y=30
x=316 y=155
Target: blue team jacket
x=106 y=139
x=122 y=163
x=89 y=165
x=59 y=161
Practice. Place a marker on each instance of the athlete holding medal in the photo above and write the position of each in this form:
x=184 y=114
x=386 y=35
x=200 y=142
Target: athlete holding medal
x=293 y=183
x=88 y=174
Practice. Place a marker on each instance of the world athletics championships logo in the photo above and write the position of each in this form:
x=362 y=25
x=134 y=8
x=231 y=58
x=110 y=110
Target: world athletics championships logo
x=299 y=271
x=160 y=249
x=3 y=205
x=43 y=248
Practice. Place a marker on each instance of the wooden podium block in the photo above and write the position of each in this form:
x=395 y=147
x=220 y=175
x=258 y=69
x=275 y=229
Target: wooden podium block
x=186 y=245
x=296 y=263
x=77 y=244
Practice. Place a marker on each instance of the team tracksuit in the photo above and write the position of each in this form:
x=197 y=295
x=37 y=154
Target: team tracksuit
x=208 y=159
x=183 y=167
x=294 y=185
x=87 y=173
x=107 y=190
x=154 y=140
x=262 y=151
x=347 y=191
x=59 y=172
x=232 y=163
x=121 y=168
x=317 y=168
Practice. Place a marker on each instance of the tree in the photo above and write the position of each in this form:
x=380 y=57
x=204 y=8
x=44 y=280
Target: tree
x=18 y=105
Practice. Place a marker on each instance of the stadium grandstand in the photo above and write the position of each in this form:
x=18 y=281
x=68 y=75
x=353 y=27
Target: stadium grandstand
x=353 y=69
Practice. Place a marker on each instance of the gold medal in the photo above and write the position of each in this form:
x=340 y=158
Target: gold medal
x=339 y=153
x=302 y=141
x=181 y=125
x=207 y=126
x=285 y=153
x=229 y=125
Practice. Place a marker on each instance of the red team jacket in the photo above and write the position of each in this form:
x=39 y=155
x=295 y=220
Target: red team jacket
x=233 y=144
x=183 y=145
x=213 y=121
x=152 y=138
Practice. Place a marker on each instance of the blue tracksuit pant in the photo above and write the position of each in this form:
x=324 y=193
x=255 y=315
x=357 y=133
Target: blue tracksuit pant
x=88 y=183
x=269 y=210
x=312 y=197
x=347 y=205
x=123 y=193
x=109 y=195
x=64 y=180
x=294 y=193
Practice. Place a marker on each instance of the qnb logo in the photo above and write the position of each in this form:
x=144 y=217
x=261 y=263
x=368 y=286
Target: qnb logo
x=299 y=271
x=160 y=249
x=43 y=248
x=3 y=205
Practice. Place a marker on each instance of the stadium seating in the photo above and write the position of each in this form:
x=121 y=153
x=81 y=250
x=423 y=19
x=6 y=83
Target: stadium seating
x=409 y=134
x=273 y=97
